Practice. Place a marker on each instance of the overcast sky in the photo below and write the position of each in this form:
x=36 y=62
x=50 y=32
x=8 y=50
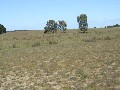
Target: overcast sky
x=33 y=14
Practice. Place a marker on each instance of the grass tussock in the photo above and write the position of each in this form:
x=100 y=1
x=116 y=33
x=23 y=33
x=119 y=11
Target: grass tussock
x=52 y=42
x=36 y=44
x=32 y=60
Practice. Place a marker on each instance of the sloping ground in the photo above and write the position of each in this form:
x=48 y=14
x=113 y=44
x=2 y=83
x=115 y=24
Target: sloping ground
x=31 y=60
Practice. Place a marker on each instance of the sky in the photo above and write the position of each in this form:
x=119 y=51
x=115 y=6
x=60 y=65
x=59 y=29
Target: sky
x=33 y=14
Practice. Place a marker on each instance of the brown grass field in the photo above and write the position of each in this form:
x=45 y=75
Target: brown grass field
x=31 y=60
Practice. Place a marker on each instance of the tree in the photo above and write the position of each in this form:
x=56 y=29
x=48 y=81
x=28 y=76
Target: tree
x=82 y=21
x=62 y=25
x=117 y=25
x=2 y=29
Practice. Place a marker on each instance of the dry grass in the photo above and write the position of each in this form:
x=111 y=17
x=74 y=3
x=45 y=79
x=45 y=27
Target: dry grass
x=31 y=60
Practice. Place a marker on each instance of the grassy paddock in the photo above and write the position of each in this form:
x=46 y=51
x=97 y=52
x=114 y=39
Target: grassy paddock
x=31 y=60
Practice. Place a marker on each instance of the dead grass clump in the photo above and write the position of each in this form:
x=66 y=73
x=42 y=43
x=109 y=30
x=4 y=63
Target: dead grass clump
x=107 y=38
x=117 y=36
x=93 y=39
x=52 y=42
x=14 y=46
x=36 y=44
x=15 y=38
x=80 y=73
x=67 y=88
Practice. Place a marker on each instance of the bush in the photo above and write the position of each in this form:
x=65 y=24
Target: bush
x=2 y=29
